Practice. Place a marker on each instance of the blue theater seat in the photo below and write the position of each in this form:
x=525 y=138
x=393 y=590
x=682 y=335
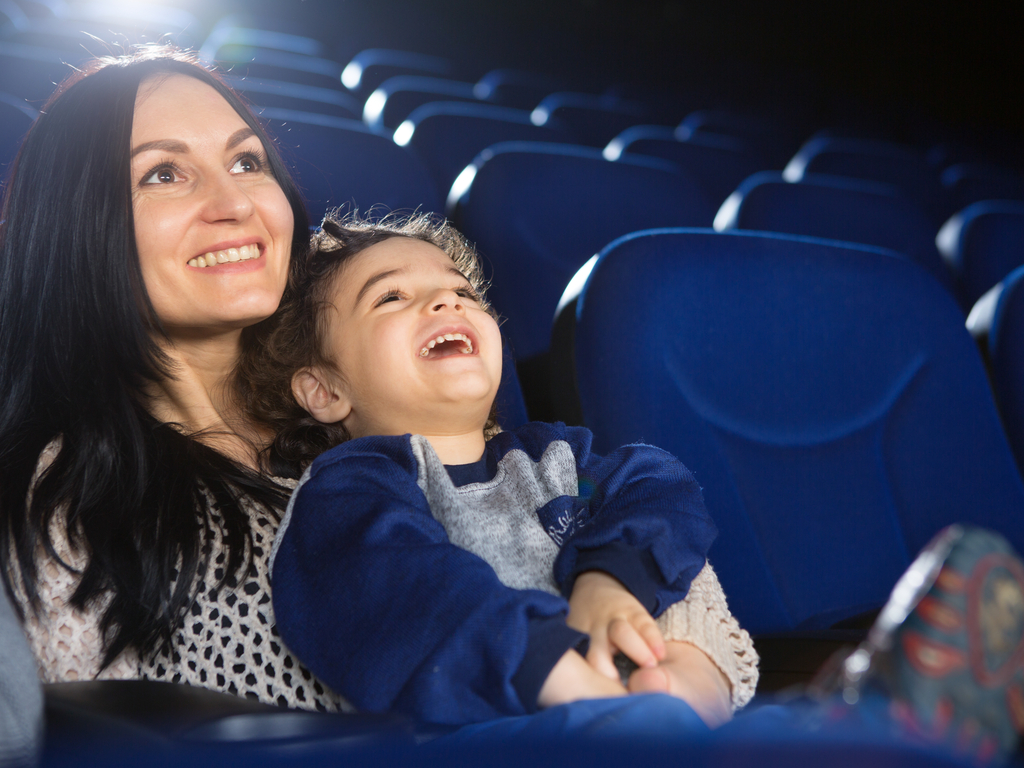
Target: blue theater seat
x=967 y=183
x=368 y=69
x=1006 y=358
x=30 y=72
x=516 y=88
x=290 y=95
x=15 y=118
x=836 y=208
x=342 y=162
x=904 y=167
x=771 y=140
x=982 y=244
x=395 y=99
x=826 y=396
x=538 y=211
x=447 y=135
x=593 y=120
x=719 y=162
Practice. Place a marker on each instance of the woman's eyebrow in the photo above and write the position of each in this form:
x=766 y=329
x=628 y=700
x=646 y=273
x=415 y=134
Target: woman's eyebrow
x=239 y=136
x=167 y=145
x=180 y=147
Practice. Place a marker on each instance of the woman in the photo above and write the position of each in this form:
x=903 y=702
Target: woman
x=149 y=228
x=149 y=225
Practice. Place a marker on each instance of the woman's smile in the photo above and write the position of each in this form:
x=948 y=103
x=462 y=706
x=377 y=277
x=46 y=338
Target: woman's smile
x=213 y=227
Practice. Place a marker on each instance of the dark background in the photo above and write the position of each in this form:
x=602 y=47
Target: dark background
x=912 y=66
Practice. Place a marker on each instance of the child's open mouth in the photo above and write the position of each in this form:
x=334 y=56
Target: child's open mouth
x=448 y=344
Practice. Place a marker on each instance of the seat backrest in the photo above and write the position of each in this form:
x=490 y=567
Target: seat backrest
x=448 y=135
x=342 y=162
x=720 y=163
x=1006 y=359
x=967 y=183
x=904 y=167
x=15 y=119
x=303 y=97
x=515 y=88
x=773 y=141
x=538 y=211
x=836 y=208
x=371 y=67
x=826 y=396
x=29 y=72
x=396 y=98
x=592 y=120
x=982 y=244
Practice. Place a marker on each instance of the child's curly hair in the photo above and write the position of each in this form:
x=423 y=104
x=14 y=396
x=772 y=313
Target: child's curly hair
x=295 y=337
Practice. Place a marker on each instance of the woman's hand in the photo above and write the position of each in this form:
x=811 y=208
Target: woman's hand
x=573 y=679
x=616 y=621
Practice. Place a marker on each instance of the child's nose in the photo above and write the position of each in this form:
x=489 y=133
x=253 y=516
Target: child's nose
x=447 y=299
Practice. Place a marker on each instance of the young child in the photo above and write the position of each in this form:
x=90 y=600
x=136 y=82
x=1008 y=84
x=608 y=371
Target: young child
x=434 y=565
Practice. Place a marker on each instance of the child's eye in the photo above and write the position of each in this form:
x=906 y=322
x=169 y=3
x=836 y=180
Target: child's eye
x=393 y=295
x=162 y=174
x=250 y=162
x=468 y=293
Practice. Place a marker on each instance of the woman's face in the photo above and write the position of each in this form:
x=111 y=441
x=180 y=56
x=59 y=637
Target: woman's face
x=212 y=226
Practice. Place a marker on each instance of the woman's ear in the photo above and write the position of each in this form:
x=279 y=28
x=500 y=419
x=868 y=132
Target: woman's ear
x=318 y=395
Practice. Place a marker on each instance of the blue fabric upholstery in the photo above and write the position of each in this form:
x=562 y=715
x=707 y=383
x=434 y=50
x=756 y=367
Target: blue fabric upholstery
x=593 y=120
x=720 y=163
x=836 y=208
x=342 y=162
x=335 y=101
x=904 y=167
x=15 y=118
x=967 y=183
x=826 y=396
x=371 y=67
x=515 y=88
x=538 y=211
x=396 y=98
x=510 y=404
x=982 y=244
x=447 y=135
x=29 y=71
x=773 y=141
x=1006 y=356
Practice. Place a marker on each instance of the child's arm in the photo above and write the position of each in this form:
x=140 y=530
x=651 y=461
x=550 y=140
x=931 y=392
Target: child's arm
x=603 y=608
x=374 y=598
x=639 y=517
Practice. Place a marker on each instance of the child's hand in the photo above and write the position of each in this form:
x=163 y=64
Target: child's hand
x=572 y=679
x=616 y=621
x=688 y=673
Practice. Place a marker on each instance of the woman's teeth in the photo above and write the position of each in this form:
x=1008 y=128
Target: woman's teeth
x=244 y=253
x=466 y=350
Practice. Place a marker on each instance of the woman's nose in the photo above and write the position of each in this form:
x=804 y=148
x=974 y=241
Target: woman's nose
x=227 y=200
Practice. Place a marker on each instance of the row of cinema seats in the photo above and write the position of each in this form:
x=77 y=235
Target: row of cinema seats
x=819 y=381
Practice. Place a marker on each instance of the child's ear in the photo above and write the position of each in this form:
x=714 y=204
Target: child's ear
x=318 y=395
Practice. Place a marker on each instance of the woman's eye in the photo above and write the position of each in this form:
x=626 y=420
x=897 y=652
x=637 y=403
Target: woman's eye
x=165 y=174
x=247 y=164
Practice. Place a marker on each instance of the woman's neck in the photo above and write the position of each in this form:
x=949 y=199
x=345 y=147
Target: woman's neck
x=198 y=395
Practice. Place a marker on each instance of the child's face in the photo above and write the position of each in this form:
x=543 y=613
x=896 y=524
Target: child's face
x=392 y=303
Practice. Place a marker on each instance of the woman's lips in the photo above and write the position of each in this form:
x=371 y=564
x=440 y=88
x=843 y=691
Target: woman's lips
x=228 y=255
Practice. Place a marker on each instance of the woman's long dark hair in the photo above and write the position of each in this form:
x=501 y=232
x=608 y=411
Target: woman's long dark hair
x=76 y=353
